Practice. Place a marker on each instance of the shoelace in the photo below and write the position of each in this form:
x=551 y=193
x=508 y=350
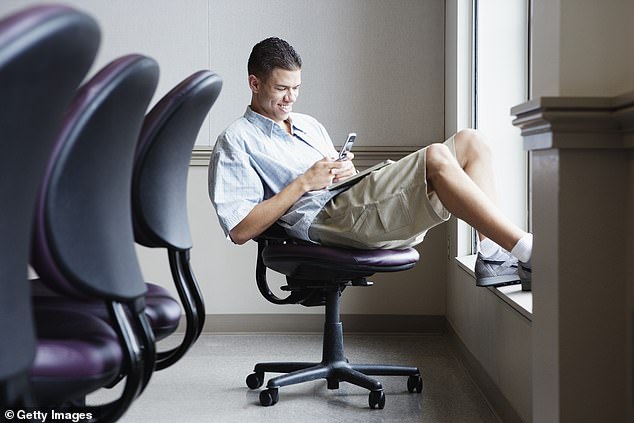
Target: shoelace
x=511 y=262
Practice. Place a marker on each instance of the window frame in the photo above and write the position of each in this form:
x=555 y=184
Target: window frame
x=474 y=100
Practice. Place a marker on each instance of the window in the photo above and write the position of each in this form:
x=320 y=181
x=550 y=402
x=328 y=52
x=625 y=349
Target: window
x=501 y=81
x=498 y=72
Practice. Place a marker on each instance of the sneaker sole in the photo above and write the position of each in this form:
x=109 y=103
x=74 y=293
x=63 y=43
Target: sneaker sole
x=497 y=281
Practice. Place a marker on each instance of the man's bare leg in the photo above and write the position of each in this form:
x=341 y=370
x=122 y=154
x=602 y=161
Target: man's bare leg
x=466 y=187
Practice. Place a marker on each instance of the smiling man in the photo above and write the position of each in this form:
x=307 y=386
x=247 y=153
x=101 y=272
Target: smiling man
x=272 y=165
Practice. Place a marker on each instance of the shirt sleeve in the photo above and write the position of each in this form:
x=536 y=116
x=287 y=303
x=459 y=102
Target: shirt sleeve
x=234 y=186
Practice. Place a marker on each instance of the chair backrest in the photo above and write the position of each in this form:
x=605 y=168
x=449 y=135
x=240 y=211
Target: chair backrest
x=83 y=237
x=84 y=243
x=159 y=186
x=45 y=52
x=159 y=191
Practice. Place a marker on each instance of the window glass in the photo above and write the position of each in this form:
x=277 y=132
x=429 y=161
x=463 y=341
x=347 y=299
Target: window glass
x=501 y=33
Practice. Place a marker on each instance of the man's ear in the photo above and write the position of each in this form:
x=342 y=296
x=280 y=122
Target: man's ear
x=254 y=83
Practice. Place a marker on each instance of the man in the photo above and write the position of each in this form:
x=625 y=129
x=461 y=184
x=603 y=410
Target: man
x=273 y=165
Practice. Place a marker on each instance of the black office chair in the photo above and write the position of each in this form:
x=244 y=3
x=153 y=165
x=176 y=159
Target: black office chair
x=83 y=243
x=45 y=52
x=159 y=192
x=159 y=211
x=317 y=275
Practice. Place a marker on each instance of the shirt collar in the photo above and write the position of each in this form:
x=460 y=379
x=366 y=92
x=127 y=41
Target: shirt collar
x=265 y=124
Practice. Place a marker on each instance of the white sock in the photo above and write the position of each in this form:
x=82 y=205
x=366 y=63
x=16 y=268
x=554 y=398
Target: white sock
x=488 y=248
x=492 y=251
x=523 y=250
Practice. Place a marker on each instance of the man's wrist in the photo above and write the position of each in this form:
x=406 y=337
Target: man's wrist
x=302 y=184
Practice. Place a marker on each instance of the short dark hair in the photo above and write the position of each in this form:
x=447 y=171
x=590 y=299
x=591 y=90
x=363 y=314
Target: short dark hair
x=272 y=53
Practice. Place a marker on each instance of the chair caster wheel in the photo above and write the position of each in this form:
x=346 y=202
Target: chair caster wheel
x=255 y=380
x=269 y=397
x=376 y=399
x=415 y=383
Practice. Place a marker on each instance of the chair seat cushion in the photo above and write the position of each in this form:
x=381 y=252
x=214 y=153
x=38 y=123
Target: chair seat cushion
x=316 y=262
x=77 y=353
x=162 y=310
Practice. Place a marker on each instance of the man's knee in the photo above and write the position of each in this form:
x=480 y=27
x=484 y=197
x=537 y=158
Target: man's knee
x=437 y=158
x=470 y=144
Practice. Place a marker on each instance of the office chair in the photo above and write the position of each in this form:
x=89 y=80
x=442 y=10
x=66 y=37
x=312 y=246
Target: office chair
x=159 y=192
x=159 y=210
x=317 y=275
x=45 y=52
x=83 y=243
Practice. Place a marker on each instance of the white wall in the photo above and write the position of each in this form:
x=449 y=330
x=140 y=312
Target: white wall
x=583 y=48
x=371 y=66
x=176 y=37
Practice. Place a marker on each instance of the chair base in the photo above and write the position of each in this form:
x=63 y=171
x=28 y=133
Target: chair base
x=334 y=366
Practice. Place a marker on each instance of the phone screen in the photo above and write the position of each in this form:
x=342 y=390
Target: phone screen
x=347 y=146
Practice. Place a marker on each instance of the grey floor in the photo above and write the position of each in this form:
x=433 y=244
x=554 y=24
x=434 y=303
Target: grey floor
x=208 y=385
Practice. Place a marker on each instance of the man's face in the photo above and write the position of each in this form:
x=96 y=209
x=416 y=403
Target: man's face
x=274 y=97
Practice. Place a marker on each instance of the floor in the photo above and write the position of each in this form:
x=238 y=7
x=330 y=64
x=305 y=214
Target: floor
x=208 y=384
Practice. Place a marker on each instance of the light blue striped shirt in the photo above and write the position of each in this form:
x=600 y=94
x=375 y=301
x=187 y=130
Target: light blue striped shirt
x=255 y=158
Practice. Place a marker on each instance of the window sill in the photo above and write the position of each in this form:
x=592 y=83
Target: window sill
x=513 y=295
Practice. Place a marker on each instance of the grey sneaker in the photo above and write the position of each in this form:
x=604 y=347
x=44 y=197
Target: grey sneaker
x=525 y=272
x=496 y=272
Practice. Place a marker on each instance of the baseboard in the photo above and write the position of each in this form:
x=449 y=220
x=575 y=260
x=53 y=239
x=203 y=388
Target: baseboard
x=496 y=399
x=314 y=323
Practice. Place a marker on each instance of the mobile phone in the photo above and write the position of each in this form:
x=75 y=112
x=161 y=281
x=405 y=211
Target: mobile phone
x=347 y=146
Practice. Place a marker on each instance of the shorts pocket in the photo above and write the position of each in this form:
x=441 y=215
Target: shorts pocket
x=361 y=226
x=393 y=212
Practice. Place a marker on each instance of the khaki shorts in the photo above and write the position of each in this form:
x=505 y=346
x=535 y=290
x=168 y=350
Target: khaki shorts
x=389 y=208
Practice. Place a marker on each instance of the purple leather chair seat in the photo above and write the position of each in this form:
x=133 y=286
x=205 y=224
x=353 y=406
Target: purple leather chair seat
x=311 y=262
x=75 y=350
x=162 y=310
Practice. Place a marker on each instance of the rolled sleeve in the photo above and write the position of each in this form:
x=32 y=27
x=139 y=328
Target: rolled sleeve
x=234 y=187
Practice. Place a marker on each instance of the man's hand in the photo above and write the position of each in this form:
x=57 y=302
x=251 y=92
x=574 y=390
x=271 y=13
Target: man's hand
x=319 y=176
x=326 y=171
x=346 y=171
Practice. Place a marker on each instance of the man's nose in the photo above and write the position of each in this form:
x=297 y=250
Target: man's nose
x=290 y=96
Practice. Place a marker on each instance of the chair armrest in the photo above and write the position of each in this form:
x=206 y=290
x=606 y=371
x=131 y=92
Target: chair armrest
x=275 y=234
x=263 y=286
